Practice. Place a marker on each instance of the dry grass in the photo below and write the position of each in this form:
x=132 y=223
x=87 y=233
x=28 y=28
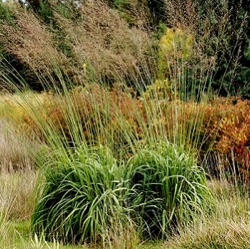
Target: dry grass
x=215 y=235
x=18 y=145
x=227 y=227
x=17 y=195
x=15 y=149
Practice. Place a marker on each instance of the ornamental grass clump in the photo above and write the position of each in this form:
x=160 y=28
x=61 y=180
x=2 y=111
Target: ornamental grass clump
x=82 y=199
x=169 y=188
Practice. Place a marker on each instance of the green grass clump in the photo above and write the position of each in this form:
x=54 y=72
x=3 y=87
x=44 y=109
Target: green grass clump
x=82 y=199
x=89 y=197
x=169 y=188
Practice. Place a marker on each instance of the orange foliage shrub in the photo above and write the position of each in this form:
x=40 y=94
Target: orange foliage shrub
x=227 y=122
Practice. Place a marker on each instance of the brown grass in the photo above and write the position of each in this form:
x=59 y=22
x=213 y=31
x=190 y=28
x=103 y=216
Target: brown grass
x=103 y=40
x=99 y=38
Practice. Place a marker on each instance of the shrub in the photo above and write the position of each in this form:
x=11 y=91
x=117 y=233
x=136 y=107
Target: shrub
x=176 y=48
x=161 y=89
x=169 y=188
x=176 y=43
x=227 y=123
x=217 y=42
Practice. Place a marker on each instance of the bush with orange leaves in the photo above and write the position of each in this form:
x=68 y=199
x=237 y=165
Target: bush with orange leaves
x=227 y=121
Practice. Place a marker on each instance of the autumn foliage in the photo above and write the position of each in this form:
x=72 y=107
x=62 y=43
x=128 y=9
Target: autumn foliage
x=227 y=121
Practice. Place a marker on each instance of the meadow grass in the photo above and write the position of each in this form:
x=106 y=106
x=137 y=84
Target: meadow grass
x=162 y=190
x=82 y=200
x=117 y=166
x=169 y=189
x=227 y=226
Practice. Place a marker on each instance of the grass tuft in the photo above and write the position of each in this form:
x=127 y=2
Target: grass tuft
x=83 y=199
x=169 y=188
